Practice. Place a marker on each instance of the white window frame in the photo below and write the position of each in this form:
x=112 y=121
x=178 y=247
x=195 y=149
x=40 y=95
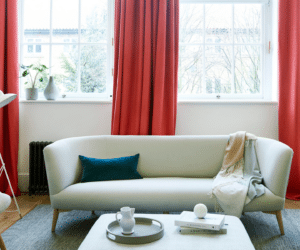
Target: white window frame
x=266 y=67
x=109 y=75
x=267 y=74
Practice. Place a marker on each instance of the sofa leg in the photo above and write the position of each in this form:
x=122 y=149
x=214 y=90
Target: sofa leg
x=279 y=220
x=280 y=223
x=55 y=217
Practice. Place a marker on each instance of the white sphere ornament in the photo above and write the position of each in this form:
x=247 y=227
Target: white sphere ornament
x=200 y=210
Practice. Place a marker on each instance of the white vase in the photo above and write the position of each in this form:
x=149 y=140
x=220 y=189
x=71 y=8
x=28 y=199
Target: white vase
x=127 y=221
x=51 y=91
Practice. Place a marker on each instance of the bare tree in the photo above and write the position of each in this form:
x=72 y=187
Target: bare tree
x=226 y=68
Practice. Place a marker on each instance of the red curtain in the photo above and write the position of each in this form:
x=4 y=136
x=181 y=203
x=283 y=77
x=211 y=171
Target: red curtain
x=146 y=67
x=9 y=115
x=289 y=87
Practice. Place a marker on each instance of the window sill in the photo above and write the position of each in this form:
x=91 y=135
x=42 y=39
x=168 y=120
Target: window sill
x=103 y=101
x=68 y=100
x=227 y=101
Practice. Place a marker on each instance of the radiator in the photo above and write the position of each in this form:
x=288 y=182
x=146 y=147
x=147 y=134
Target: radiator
x=38 y=183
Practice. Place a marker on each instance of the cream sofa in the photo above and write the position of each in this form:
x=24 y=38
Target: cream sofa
x=177 y=173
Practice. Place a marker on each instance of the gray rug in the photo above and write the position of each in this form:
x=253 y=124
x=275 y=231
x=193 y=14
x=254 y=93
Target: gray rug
x=33 y=232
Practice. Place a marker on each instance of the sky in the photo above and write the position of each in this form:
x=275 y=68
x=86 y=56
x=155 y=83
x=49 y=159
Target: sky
x=65 y=13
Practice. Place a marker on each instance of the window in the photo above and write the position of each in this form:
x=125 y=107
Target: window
x=30 y=46
x=38 y=47
x=74 y=39
x=222 y=50
x=222 y=46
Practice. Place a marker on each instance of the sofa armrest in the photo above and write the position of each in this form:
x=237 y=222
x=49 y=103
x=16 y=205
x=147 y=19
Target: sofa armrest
x=274 y=160
x=61 y=166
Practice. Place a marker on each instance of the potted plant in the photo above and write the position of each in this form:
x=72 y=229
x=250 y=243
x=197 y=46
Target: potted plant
x=33 y=73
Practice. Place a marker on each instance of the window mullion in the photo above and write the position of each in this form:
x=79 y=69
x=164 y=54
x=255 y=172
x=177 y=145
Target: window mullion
x=233 y=57
x=110 y=49
x=21 y=32
x=265 y=37
x=79 y=49
x=203 y=54
x=50 y=37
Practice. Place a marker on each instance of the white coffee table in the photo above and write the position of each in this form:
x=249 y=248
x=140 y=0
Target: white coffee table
x=235 y=239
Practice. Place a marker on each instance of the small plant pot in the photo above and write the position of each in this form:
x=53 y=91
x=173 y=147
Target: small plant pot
x=31 y=93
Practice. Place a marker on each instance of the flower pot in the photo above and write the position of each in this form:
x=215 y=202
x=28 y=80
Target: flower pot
x=31 y=93
x=51 y=91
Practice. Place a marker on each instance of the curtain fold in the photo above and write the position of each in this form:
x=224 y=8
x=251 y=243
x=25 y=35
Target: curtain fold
x=9 y=83
x=289 y=87
x=145 y=67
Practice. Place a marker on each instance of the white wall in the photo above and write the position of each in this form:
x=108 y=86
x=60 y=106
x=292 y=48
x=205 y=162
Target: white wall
x=50 y=121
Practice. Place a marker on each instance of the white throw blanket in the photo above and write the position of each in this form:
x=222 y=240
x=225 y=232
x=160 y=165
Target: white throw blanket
x=239 y=180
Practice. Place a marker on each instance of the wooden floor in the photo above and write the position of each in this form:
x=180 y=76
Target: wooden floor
x=27 y=203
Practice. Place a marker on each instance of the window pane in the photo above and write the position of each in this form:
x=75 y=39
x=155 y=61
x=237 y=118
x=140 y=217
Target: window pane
x=94 y=20
x=36 y=59
x=36 y=19
x=218 y=22
x=38 y=47
x=247 y=69
x=64 y=67
x=65 y=20
x=190 y=69
x=191 y=23
x=247 y=23
x=93 y=61
x=218 y=63
x=30 y=48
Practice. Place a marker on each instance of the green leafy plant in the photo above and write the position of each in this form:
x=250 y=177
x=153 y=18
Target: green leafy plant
x=33 y=73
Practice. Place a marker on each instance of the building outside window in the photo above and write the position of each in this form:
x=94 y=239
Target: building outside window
x=30 y=46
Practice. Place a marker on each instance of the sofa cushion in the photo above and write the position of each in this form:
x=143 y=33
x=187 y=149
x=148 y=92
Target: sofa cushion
x=151 y=194
x=122 y=168
x=147 y=194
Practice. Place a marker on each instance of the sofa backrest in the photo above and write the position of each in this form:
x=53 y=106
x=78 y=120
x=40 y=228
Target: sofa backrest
x=160 y=156
x=169 y=156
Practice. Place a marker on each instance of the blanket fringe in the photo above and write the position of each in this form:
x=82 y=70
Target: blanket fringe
x=217 y=207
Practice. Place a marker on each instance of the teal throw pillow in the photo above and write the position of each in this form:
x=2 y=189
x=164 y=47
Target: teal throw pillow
x=122 y=168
